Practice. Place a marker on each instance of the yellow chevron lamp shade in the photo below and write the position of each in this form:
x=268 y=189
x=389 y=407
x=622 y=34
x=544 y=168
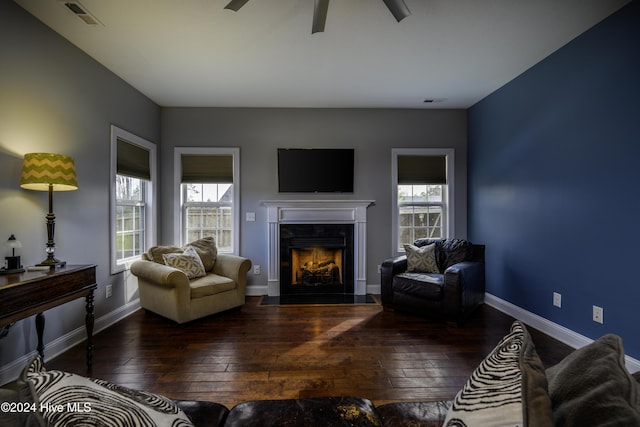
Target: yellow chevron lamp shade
x=49 y=172
x=41 y=170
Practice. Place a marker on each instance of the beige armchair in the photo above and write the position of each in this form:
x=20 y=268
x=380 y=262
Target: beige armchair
x=169 y=292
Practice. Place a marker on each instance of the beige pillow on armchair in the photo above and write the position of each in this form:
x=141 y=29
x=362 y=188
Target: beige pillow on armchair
x=206 y=248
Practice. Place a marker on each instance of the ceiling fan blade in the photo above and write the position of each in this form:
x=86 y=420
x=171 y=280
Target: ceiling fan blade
x=398 y=8
x=235 y=5
x=319 y=16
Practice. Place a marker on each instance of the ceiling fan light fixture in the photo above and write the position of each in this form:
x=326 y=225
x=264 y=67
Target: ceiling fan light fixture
x=397 y=7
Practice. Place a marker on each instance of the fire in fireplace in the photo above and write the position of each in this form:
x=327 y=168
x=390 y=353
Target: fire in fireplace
x=316 y=266
x=316 y=258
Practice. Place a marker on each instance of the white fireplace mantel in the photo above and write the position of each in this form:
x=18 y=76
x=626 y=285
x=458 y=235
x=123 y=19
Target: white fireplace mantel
x=318 y=212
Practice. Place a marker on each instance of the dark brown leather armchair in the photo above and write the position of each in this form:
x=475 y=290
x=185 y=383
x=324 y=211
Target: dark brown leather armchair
x=451 y=295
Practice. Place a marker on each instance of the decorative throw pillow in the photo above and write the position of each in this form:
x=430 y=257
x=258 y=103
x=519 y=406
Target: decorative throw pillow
x=592 y=386
x=421 y=260
x=206 y=248
x=155 y=253
x=509 y=388
x=188 y=261
x=64 y=399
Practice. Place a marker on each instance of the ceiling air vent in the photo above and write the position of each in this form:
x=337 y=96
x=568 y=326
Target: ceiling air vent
x=81 y=12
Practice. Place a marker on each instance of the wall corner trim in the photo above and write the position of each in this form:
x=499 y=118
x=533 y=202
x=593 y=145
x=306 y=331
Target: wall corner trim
x=562 y=334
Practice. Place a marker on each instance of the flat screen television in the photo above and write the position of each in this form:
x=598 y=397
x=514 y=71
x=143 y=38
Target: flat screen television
x=315 y=170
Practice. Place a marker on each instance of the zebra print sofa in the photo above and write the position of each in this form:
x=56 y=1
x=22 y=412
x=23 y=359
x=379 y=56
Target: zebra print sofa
x=590 y=387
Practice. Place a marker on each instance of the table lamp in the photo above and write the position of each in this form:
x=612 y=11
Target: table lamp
x=49 y=172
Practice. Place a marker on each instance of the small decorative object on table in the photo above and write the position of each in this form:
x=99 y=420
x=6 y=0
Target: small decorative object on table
x=13 y=261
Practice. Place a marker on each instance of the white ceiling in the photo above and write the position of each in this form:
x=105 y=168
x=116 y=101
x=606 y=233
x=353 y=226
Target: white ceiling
x=195 y=53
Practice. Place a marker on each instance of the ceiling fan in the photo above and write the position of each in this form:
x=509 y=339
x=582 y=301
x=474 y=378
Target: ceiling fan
x=397 y=7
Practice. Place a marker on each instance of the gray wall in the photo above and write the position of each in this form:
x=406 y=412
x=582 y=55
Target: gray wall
x=54 y=98
x=259 y=132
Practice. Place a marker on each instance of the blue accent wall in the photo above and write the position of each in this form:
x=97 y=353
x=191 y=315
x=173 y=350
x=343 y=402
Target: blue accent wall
x=554 y=182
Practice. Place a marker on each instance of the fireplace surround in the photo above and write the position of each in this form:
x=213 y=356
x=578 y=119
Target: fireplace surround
x=322 y=213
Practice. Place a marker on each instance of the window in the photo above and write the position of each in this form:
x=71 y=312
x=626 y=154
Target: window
x=207 y=180
x=420 y=212
x=422 y=188
x=133 y=226
x=130 y=217
x=208 y=211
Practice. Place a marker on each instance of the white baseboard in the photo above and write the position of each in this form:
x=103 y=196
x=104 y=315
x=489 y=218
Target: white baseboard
x=115 y=316
x=10 y=372
x=374 y=289
x=562 y=334
x=257 y=291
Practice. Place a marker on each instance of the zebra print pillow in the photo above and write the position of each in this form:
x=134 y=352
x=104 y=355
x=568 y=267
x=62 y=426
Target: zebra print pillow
x=509 y=388
x=63 y=399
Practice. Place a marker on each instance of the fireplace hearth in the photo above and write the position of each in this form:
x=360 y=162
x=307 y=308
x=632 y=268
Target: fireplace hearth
x=316 y=259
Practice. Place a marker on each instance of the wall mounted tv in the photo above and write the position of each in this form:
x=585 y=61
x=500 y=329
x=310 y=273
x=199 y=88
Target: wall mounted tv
x=315 y=170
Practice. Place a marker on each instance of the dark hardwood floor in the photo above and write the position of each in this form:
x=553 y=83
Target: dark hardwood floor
x=277 y=352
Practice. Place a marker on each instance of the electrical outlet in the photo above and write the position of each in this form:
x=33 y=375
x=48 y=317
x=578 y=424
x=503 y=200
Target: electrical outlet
x=557 y=299
x=598 y=314
x=256 y=269
x=109 y=291
x=379 y=268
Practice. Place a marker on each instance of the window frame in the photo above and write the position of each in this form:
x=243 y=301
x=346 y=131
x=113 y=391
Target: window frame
x=150 y=196
x=448 y=208
x=179 y=196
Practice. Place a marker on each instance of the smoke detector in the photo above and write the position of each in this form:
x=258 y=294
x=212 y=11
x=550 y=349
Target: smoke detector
x=80 y=11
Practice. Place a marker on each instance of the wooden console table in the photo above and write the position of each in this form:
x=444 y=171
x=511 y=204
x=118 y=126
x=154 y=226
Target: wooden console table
x=32 y=292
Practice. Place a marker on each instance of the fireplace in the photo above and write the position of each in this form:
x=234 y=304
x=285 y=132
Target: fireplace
x=316 y=258
x=323 y=213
